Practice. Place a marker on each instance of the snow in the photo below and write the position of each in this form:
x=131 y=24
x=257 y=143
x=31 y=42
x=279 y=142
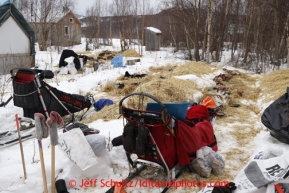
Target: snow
x=154 y=30
x=206 y=81
x=113 y=166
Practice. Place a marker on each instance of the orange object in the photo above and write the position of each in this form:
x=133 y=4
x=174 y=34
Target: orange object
x=119 y=188
x=209 y=103
x=278 y=188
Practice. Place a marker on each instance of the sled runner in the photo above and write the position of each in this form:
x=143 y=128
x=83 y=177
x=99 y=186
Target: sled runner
x=84 y=128
x=10 y=137
x=36 y=96
x=3 y=104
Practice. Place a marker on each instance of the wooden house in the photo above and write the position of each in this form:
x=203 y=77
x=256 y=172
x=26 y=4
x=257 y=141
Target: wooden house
x=66 y=30
x=63 y=29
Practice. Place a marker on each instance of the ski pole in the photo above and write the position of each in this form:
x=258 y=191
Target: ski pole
x=53 y=121
x=21 y=147
x=39 y=126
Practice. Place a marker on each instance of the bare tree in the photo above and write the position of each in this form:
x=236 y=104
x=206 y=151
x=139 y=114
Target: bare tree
x=145 y=9
x=42 y=15
x=209 y=31
x=234 y=27
x=92 y=22
x=225 y=8
x=120 y=9
x=135 y=7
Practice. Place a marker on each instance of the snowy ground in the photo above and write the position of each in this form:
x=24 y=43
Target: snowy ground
x=113 y=166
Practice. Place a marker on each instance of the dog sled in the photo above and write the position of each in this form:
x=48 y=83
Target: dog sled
x=34 y=95
x=159 y=139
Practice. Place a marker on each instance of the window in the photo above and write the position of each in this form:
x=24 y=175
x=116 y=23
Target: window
x=70 y=20
x=66 y=30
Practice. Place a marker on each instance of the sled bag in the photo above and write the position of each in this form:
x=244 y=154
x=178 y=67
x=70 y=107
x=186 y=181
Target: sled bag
x=190 y=138
x=25 y=93
x=26 y=96
x=275 y=117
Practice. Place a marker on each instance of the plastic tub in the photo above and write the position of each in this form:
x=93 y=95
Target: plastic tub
x=176 y=109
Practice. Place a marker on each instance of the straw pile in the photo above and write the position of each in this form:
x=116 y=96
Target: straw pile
x=106 y=55
x=88 y=53
x=274 y=84
x=242 y=88
x=168 y=90
x=245 y=90
x=159 y=82
x=196 y=68
x=109 y=55
x=130 y=85
x=130 y=53
x=107 y=113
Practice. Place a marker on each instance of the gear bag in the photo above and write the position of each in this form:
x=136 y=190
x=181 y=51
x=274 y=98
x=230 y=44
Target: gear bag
x=275 y=117
x=129 y=137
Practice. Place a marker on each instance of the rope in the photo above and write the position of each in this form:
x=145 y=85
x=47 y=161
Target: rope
x=24 y=94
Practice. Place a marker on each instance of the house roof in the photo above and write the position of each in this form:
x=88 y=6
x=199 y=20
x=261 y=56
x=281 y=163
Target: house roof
x=53 y=17
x=59 y=17
x=9 y=10
x=155 y=30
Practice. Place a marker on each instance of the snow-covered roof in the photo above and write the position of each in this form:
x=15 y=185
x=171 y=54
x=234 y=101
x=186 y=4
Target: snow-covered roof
x=154 y=29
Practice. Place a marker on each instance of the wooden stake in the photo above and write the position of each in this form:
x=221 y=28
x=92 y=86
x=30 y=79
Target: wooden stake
x=52 y=169
x=42 y=167
x=21 y=147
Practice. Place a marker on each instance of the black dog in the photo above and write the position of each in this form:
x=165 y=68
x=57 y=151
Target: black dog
x=67 y=53
x=127 y=74
x=84 y=58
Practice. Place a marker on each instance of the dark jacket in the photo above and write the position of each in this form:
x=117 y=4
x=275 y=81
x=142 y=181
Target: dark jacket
x=276 y=116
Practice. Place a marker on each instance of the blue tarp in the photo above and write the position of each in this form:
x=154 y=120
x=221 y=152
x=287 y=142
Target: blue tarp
x=117 y=61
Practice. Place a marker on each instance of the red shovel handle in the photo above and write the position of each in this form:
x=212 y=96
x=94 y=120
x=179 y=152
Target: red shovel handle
x=17 y=122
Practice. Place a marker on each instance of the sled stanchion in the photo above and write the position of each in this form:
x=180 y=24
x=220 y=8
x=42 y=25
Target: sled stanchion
x=21 y=147
x=49 y=90
x=174 y=180
x=38 y=85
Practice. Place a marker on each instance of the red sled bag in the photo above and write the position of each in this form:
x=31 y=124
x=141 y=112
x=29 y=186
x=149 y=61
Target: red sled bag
x=189 y=139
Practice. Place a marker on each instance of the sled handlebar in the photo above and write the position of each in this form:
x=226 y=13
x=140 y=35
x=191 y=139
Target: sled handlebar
x=164 y=108
x=41 y=74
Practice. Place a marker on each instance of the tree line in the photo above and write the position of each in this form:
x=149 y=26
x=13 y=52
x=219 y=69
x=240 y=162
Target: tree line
x=255 y=31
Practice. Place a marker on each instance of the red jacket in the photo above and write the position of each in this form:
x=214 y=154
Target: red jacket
x=189 y=139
